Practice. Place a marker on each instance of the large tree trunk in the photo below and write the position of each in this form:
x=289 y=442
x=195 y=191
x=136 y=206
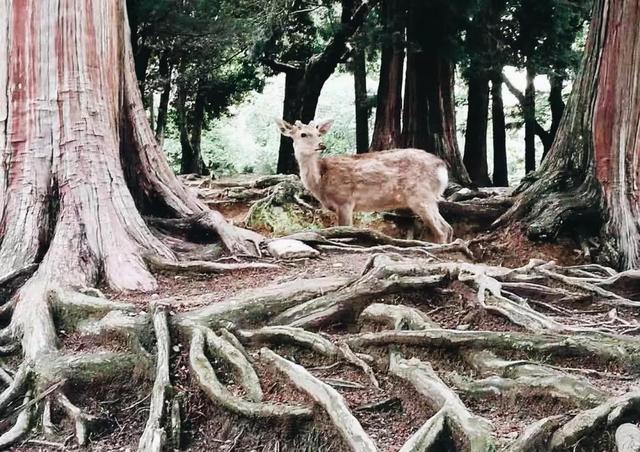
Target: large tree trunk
x=529 y=113
x=71 y=119
x=361 y=101
x=590 y=176
x=387 y=131
x=429 y=113
x=163 y=107
x=500 y=167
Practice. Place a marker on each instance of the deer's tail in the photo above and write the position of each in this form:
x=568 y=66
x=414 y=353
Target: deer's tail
x=442 y=176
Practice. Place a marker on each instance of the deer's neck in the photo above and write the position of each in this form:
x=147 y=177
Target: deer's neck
x=310 y=172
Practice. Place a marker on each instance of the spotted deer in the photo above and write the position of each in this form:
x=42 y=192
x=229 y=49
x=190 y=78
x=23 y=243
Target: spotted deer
x=396 y=179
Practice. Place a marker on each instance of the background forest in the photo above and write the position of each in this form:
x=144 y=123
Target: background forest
x=212 y=87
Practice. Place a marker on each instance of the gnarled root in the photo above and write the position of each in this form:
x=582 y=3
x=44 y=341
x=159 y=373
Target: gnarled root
x=327 y=397
x=536 y=437
x=80 y=418
x=606 y=414
x=21 y=426
x=204 y=266
x=523 y=376
x=474 y=430
x=154 y=435
x=219 y=394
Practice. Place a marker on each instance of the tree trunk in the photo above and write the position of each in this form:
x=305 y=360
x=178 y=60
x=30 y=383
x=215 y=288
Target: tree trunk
x=557 y=108
x=63 y=192
x=304 y=84
x=361 y=100
x=291 y=112
x=163 y=107
x=429 y=113
x=475 y=146
x=529 y=113
x=590 y=176
x=197 y=123
x=388 y=130
x=500 y=168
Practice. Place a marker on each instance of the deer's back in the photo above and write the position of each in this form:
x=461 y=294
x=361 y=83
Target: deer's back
x=379 y=180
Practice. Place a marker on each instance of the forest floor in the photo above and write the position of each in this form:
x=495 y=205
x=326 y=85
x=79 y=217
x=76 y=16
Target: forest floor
x=522 y=389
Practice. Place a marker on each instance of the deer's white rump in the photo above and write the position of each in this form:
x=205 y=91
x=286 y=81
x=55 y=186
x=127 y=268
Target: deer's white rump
x=396 y=179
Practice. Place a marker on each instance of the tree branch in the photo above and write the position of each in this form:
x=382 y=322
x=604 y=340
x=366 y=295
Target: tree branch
x=279 y=66
x=544 y=135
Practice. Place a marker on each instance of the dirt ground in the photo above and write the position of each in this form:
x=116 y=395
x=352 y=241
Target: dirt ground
x=389 y=414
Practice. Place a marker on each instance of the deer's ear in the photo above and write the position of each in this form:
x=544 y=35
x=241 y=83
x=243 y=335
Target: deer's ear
x=324 y=126
x=285 y=128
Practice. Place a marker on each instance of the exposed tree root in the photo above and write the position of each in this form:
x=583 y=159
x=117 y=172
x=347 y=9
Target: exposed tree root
x=243 y=370
x=398 y=317
x=259 y=305
x=205 y=267
x=291 y=335
x=80 y=419
x=626 y=352
x=427 y=437
x=238 y=241
x=220 y=395
x=609 y=413
x=474 y=430
x=536 y=436
x=21 y=426
x=523 y=377
x=328 y=398
x=154 y=435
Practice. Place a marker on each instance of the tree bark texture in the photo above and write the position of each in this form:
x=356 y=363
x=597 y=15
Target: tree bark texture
x=163 y=107
x=429 y=112
x=71 y=118
x=361 y=101
x=387 y=131
x=475 y=146
x=500 y=167
x=590 y=176
x=529 y=113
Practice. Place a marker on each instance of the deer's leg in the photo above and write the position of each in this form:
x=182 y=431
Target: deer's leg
x=430 y=216
x=345 y=215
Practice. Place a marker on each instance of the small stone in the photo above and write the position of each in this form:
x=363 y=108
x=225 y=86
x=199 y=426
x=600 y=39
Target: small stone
x=176 y=348
x=463 y=327
x=290 y=249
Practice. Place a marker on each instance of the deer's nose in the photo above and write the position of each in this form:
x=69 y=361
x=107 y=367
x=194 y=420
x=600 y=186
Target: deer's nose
x=322 y=146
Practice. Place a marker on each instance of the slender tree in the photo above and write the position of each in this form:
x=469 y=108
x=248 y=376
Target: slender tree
x=305 y=80
x=588 y=183
x=498 y=125
x=359 y=63
x=387 y=132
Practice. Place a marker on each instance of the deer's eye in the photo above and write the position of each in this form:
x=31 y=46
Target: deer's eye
x=303 y=135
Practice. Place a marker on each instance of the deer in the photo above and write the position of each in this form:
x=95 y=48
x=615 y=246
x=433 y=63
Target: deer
x=395 y=179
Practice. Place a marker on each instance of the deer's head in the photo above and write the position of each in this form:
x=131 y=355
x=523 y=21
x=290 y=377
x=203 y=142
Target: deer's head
x=307 y=138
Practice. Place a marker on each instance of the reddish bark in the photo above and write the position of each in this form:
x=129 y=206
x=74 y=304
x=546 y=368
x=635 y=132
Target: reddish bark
x=71 y=122
x=428 y=118
x=589 y=180
x=387 y=130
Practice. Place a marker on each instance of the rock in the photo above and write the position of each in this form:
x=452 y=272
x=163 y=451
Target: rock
x=628 y=438
x=290 y=249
